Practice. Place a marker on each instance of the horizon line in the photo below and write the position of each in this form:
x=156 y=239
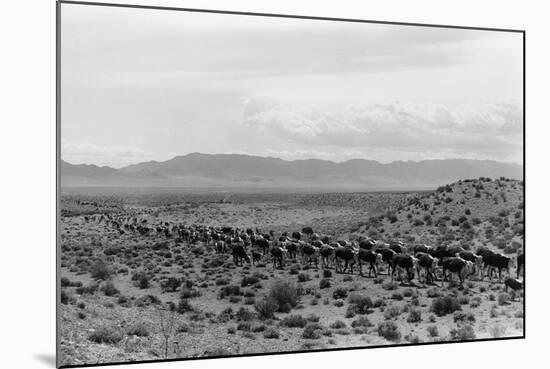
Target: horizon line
x=290 y=160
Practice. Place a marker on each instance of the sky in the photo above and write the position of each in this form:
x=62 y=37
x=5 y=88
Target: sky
x=140 y=85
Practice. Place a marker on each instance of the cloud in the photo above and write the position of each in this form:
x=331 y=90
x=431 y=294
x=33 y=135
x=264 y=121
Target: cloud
x=489 y=130
x=115 y=156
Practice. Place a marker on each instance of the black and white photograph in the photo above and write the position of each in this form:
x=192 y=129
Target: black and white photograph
x=235 y=184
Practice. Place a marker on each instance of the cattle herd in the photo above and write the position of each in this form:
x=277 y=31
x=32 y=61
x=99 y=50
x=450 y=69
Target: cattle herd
x=246 y=245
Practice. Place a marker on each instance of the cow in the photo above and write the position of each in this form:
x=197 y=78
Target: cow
x=372 y=258
x=429 y=264
x=496 y=261
x=398 y=247
x=366 y=244
x=263 y=244
x=292 y=248
x=520 y=260
x=406 y=262
x=387 y=256
x=514 y=284
x=239 y=254
x=346 y=254
x=327 y=253
x=477 y=260
x=441 y=252
x=310 y=253
x=308 y=231
x=457 y=265
x=296 y=235
x=422 y=248
x=277 y=254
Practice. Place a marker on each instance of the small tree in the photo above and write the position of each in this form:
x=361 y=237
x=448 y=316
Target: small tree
x=167 y=318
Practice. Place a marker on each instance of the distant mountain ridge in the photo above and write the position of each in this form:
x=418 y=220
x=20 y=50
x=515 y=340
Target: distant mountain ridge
x=235 y=170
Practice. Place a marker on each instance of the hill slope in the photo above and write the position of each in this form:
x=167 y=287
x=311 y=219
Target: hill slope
x=469 y=213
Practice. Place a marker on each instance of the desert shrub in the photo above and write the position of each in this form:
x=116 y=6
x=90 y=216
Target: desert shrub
x=462 y=333
x=188 y=293
x=303 y=277
x=294 y=269
x=285 y=295
x=142 y=279
x=171 y=284
x=105 y=335
x=433 y=331
x=244 y=314
x=389 y=286
x=87 y=290
x=327 y=273
x=109 y=289
x=271 y=333
x=293 y=321
x=338 y=325
x=392 y=312
x=226 y=315
x=249 y=281
x=64 y=297
x=503 y=299
x=340 y=293
x=460 y=317
x=232 y=330
x=324 y=283
x=360 y=303
x=231 y=290
x=379 y=303
x=139 y=329
x=414 y=316
x=184 y=306
x=497 y=331
x=389 y=331
x=445 y=305
x=397 y=296
x=100 y=270
x=338 y=303
x=265 y=308
x=361 y=322
x=244 y=326
x=418 y=222
x=312 y=331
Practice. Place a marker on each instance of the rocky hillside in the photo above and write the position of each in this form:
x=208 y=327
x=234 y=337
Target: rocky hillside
x=469 y=213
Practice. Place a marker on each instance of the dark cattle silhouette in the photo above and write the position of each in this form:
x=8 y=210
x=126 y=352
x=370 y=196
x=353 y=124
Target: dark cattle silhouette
x=309 y=253
x=263 y=244
x=277 y=254
x=296 y=235
x=387 y=256
x=292 y=248
x=514 y=284
x=326 y=252
x=370 y=257
x=366 y=244
x=458 y=266
x=422 y=248
x=239 y=254
x=498 y=262
x=520 y=260
x=406 y=262
x=428 y=263
x=441 y=252
x=347 y=255
x=307 y=231
x=477 y=260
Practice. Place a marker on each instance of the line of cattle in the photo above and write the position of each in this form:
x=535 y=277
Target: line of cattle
x=252 y=246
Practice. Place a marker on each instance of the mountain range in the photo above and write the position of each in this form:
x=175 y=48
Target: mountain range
x=255 y=172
